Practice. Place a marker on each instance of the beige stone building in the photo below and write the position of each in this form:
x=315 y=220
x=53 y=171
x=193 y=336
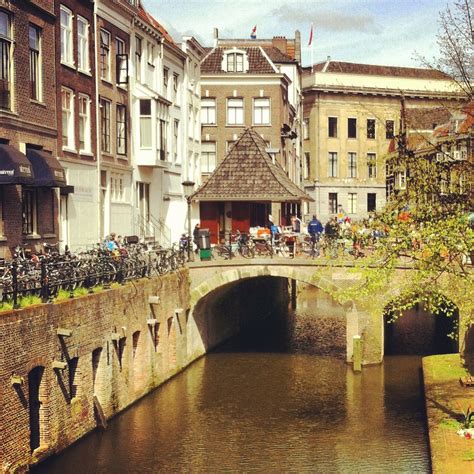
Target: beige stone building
x=351 y=112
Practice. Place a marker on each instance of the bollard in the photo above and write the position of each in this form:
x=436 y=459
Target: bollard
x=357 y=353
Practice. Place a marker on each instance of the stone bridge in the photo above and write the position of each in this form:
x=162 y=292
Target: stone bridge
x=364 y=317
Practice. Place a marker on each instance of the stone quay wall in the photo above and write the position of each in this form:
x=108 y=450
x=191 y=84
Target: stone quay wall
x=114 y=346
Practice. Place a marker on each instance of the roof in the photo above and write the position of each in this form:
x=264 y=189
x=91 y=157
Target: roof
x=277 y=56
x=148 y=18
x=248 y=173
x=258 y=63
x=375 y=70
x=426 y=118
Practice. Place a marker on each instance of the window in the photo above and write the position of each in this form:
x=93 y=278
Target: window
x=150 y=54
x=138 y=58
x=105 y=126
x=67 y=98
x=371 y=165
x=208 y=111
x=34 y=35
x=235 y=62
x=165 y=81
x=351 y=128
x=352 y=165
x=370 y=128
x=5 y=60
x=389 y=129
x=28 y=211
x=261 y=111
x=116 y=187
x=175 y=86
x=307 y=166
x=306 y=129
x=208 y=157
x=66 y=36
x=332 y=127
x=332 y=200
x=235 y=111
x=352 y=203
x=82 y=44
x=121 y=129
x=145 y=123
x=105 y=55
x=121 y=63
x=84 y=123
x=371 y=202
x=332 y=165
x=163 y=140
x=175 y=139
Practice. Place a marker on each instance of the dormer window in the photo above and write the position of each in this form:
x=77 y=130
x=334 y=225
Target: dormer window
x=235 y=61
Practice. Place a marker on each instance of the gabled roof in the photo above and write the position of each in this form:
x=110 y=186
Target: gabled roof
x=425 y=118
x=277 y=56
x=375 y=70
x=248 y=173
x=258 y=63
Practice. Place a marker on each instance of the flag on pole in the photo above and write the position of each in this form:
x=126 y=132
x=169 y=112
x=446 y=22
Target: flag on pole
x=253 y=34
x=310 y=42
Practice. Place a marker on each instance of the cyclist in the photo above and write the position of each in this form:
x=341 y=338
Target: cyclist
x=315 y=229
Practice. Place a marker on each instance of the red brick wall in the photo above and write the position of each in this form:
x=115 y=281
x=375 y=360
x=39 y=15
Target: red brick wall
x=29 y=339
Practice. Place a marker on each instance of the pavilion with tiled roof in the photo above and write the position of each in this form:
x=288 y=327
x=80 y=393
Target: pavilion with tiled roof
x=249 y=181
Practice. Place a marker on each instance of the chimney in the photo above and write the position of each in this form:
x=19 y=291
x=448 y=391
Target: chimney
x=280 y=43
x=298 y=46
x=216 y=37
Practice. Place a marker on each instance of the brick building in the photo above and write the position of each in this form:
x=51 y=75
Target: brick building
x=252 y=83
x=351 y=112
x=30 y=174
x=76 y=119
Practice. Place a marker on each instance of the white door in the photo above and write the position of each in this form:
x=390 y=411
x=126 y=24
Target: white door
x=63 y=222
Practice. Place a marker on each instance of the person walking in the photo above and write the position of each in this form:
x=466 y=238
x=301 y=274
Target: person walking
x=196 y=238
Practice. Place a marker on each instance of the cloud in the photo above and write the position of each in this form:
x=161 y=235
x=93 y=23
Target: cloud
x=333 y=21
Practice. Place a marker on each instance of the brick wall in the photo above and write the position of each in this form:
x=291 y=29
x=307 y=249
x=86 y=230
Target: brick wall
x=112 y=352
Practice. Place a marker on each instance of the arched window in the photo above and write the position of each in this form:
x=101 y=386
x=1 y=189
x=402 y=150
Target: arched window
x=235 y=60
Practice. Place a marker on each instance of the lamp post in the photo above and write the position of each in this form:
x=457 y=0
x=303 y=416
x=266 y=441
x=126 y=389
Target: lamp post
x=188 y=187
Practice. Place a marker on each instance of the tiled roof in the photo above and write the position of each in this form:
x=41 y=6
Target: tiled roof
x=426 y=118
x=147 y=17
x=248 y=173
x=277 y=56
x=374 y=70
x=258 y=63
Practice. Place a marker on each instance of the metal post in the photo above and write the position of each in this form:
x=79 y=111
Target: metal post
x=190 y=242
x=230 y=245
x=44 y=282
x=15 y=283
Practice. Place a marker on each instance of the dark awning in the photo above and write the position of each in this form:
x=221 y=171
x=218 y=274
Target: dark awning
x=48 y=171
x=14 y=166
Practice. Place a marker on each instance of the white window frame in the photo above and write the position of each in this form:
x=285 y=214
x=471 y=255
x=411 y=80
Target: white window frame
x=105 y=105
x=37 y=53
x=145 y=126
x=117 y=191
x=351 y=164
x=67 y=107
x=208 y=156
x=83 y=63
x=106 y=76
x=262 y=113
x=307 y=165
x=208 y=111
x=332 y=164
x=233 y=115
x=85 y=120
x=175 y=87
x=336 y=122
x=371 y=165
x=121 y=130
x=66 y=37
x=306 y=129
x=352 y=203
x=138 y=58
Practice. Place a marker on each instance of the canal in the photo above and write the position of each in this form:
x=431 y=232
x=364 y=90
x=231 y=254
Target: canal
x=263 y=403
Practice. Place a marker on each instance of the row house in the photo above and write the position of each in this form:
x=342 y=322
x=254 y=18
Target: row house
x=76 y=120
x=351 y=113
x=30 y=174
x=251 y=83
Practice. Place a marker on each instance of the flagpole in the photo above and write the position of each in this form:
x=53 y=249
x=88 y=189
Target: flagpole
x=312 y=49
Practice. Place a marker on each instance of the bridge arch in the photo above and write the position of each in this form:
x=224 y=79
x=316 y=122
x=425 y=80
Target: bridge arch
x=225 y=277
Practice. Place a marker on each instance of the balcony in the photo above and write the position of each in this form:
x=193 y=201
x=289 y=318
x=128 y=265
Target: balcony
x=152 y=158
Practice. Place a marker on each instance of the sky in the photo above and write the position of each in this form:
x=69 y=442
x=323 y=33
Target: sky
x=386 y=32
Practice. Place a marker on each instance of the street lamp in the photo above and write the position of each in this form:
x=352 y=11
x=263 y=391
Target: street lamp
x=188 y=187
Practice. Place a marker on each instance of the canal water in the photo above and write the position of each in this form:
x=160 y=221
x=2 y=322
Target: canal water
x=249 y=407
